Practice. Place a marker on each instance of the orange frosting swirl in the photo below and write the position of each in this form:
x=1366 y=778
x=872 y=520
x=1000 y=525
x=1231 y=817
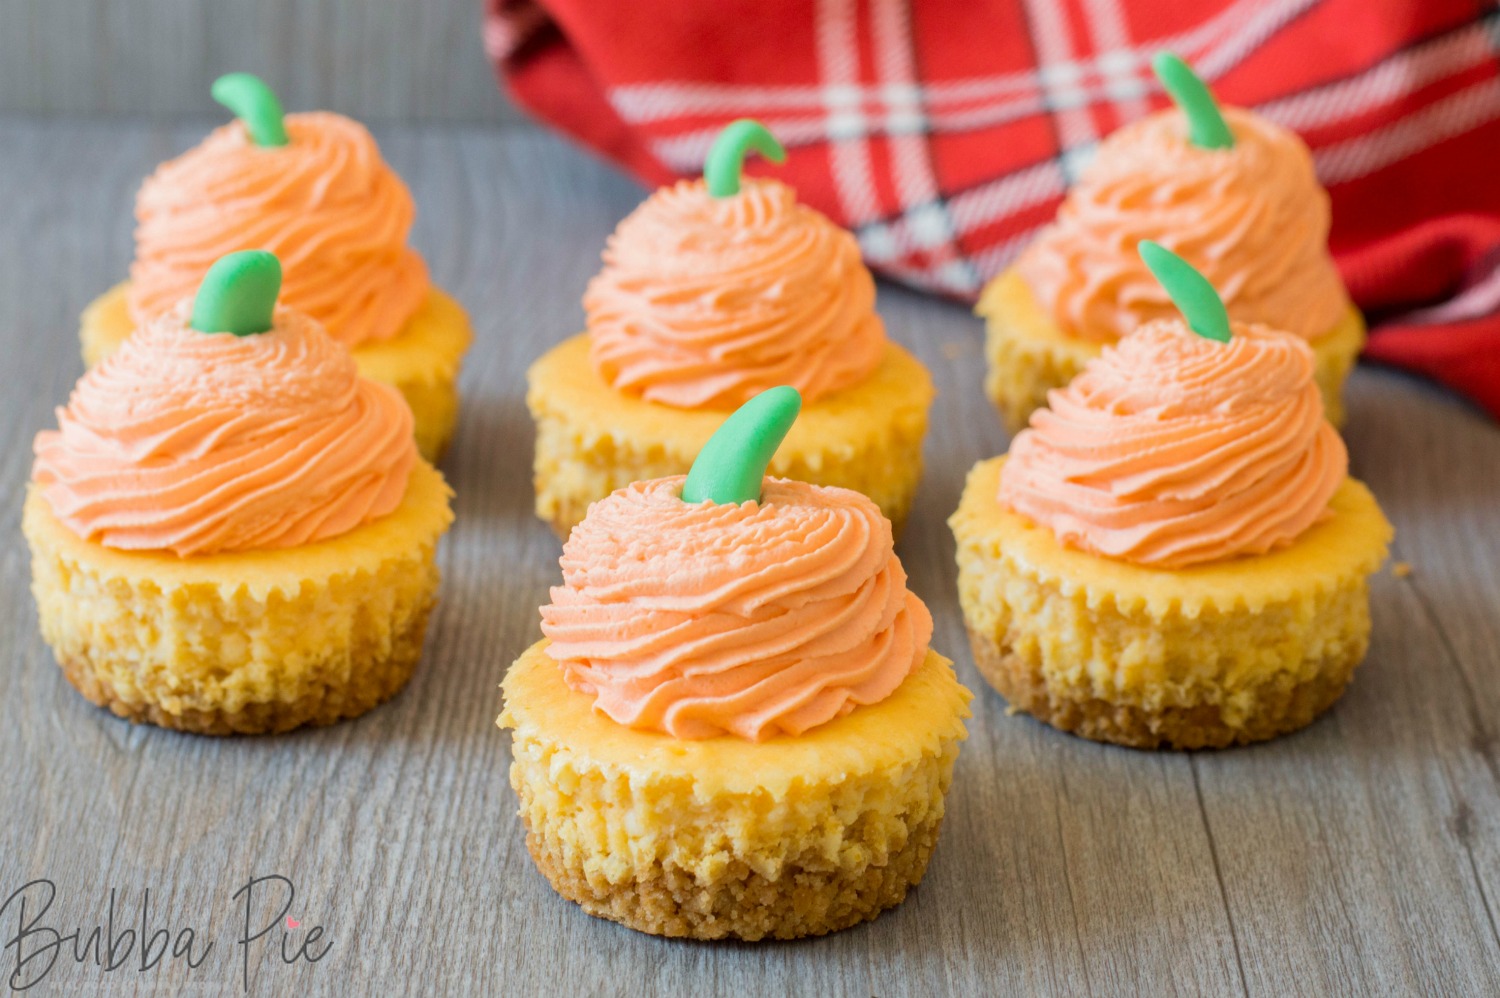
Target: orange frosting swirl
x=326 y=204
x=753 y=619
x=201 y=443
x=1252 y=219
x=705 y=302
x=1172 y=450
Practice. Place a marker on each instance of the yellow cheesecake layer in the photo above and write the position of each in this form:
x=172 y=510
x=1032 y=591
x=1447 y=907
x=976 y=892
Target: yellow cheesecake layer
x=1209 y=655
x=592 y=440
x=1027 y=354
x=244 y=642
x=421 y=362
x=724 y=837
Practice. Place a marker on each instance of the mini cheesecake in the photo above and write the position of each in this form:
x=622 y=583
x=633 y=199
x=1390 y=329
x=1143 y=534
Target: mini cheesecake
x=712 y=292
x=1234 y=194
x=735 y=726
x=312 y=189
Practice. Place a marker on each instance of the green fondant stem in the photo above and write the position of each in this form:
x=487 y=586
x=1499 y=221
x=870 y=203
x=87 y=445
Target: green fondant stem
x=726 y=160
x=238 y=294
x=1207 y=128
x=1189 y=290
x=730 y=467
x=255 y=104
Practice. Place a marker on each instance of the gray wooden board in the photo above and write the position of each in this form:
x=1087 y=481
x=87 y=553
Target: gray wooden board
x=380 y=60
x=1360 y=856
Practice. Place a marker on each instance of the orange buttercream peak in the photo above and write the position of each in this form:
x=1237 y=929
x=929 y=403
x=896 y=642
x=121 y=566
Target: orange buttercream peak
x=753 y=619
x=201 y=443
x=1252 y=220
x=1172 y=450
x=326 y=204
x=704 y=302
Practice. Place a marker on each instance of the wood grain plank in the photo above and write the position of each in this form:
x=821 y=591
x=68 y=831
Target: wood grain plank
x=1380 y=812
x=1358 y=856
x=1092 y=862
x=378 y=60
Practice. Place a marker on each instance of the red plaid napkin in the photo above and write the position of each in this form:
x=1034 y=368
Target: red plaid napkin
x=945 y=132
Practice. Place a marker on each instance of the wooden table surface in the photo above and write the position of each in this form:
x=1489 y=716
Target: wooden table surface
x=1360 y=856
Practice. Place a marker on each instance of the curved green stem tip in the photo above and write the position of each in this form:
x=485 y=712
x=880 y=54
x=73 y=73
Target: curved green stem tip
x=726 y=160
x=730 y=467
x=238 y=294
x=1189 y=290
x=1207 y=128
x=255 y=104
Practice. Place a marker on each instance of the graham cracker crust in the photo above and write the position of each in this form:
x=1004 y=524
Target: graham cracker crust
x=374 y=680
x=743 y=904
x=1280 y=707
